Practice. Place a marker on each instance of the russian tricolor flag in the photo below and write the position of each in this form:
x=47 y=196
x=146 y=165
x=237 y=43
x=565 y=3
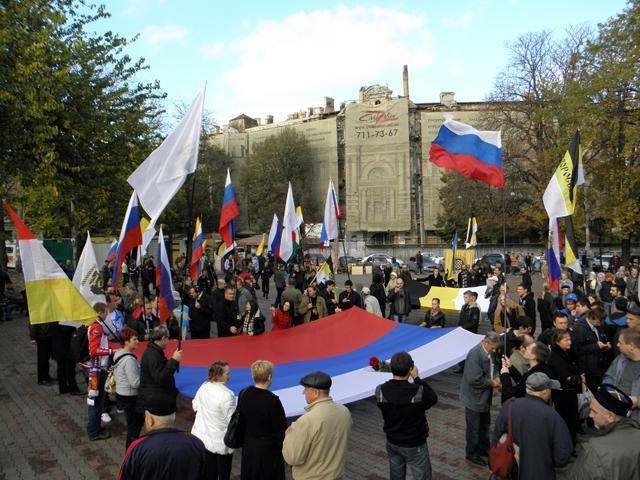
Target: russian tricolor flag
x=130 y=237
x=476 y=154
x=228 y=213
x=275 y=236
x=197 y=250
x=113 y=249
x=166 y=302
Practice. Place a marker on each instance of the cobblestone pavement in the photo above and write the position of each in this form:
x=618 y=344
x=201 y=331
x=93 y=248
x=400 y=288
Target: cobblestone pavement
x=42 y=434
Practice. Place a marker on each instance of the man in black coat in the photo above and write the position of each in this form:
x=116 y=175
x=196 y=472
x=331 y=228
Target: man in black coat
x=229 y=321
x=403 y=406
x=200 y=313
x=61 y=348
x=377 y=290
x=157 y=382
x=587 y=343
x=538 y=430
x=465 y=278
x=528 y=303
x=349 y=297
x=435 y=279
x=399 y=302
x=470 y=312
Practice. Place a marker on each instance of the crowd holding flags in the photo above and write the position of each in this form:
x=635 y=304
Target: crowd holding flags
x=197 y=250
x=560 y=198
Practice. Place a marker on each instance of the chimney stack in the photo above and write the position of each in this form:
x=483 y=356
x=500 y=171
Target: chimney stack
x=329 y=105
x=405 y=81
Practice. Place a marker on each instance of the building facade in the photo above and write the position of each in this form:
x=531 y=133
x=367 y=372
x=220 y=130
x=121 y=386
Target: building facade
x=376 y=150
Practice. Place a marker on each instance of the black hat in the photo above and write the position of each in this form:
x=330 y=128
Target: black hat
x=613 y=399
x=319 y=380
x=633 y=308
x=160 y=408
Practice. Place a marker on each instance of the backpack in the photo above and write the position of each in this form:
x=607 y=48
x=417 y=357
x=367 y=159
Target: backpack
x=110 y=382
x=79 y=345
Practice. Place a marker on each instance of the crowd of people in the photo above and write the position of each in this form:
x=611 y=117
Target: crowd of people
x=565 y=366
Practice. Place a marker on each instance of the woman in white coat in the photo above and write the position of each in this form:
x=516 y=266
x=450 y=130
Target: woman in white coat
x=214 y=404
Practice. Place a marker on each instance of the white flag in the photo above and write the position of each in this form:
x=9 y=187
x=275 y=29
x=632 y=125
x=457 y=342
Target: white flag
x=87 y=278
x=290 y=243
x=273 y=233
x=161 y=175
x=330 y=230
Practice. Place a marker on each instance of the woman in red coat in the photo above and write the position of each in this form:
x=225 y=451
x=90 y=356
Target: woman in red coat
x=281 y=317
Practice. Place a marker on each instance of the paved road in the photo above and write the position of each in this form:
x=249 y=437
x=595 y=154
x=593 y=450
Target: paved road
x=42 y=434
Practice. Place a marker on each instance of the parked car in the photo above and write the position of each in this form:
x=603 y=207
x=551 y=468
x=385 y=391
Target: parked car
x=382 y=258
x=344 y=261
x=428 y=264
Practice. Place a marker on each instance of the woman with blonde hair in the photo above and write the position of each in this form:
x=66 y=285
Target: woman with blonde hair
x=392 y=282
x=264 y=427
x=214 y=404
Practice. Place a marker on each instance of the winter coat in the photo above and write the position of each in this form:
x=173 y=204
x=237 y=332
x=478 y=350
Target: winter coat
x=281 y=319
x=305 y=312
x=214 y=404
x=607 y=454
x=377 y=290
x=157 y=381
x=475 y=387
x=399 y=307
x=541 y=435
x=470 y=317
x=316 y=446
x=127 y=373
x=614 y=375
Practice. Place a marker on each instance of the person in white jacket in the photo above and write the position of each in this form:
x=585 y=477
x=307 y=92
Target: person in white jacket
x=371 y=303
x=214 y=404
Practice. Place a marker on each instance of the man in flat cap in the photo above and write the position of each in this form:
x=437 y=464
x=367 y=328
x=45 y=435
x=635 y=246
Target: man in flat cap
x=315 y=445
x=541 y=435
x=613 y=450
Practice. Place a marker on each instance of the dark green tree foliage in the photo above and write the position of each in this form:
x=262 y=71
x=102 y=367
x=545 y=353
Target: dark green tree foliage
x=281 y=158
x=74 y=120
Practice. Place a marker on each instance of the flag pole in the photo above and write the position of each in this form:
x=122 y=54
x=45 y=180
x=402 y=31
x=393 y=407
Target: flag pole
x=158 y=286
x=187 y=262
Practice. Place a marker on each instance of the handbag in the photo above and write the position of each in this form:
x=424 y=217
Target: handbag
x=234 y=437
x=502 y=455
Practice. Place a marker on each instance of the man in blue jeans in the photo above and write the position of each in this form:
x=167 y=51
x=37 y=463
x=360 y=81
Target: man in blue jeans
x=403 y=405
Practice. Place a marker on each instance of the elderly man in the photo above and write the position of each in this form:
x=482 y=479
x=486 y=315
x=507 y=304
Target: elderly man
x=164 y=452
x=613 y=450
x=479 y=379
x=542 y=438
x=316 y=444
x=624 y=372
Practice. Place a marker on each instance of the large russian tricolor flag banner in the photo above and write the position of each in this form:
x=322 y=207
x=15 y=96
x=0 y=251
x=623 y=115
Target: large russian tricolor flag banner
x=476 y=154
x=340 y=345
